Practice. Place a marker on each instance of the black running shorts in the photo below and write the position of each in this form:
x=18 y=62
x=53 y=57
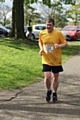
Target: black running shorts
x=54 y=69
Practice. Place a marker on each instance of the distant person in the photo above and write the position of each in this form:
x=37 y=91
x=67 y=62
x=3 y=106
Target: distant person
x=51 y=42
x=30 y=26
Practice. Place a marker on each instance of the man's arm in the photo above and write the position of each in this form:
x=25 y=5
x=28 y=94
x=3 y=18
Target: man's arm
x=41 y=48
x=63 y=45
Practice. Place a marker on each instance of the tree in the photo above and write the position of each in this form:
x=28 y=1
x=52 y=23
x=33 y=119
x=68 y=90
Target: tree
x=18 y=18
x=55 y=11
x=30 y=13
x=19 y=15
x=69 y=1
x=13 y=31
x=18 y=11
x=4 y=10
x=74 y=13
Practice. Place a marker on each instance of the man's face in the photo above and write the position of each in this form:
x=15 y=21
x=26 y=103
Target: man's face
x=49 y=26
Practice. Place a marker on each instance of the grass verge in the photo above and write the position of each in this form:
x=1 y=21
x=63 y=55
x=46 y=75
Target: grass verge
x=20 y=63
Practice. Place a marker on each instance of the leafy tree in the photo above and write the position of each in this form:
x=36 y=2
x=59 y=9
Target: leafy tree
x=58 y=14
x=74 y=13
x=69 y=1
x=4 y=10
x=55 y=11
x=13 y=31
x=18 y=14
x=30 y=13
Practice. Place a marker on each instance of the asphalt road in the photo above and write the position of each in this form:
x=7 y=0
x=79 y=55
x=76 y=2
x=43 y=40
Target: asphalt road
x=29 y=103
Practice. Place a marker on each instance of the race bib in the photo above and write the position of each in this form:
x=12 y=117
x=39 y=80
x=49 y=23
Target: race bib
x=48 y=48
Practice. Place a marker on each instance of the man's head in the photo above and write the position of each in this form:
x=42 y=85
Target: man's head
x=50 y=24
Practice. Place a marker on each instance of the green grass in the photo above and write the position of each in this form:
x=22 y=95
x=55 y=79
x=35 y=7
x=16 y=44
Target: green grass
x=72 y=49
x=20 y=62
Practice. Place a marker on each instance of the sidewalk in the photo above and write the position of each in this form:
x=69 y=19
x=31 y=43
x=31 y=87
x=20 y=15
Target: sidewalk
x=29 y=103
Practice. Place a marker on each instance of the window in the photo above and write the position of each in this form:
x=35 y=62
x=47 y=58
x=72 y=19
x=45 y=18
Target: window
x=37 y=27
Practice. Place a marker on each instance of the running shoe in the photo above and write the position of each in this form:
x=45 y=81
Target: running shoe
x=54 y=97
x=48 y=96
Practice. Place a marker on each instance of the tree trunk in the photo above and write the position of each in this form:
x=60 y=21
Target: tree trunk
x=19 y=18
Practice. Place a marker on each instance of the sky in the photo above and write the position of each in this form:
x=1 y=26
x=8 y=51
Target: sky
x=8 y=2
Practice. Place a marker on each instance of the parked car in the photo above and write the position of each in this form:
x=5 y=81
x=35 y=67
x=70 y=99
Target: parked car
x=25 y=29
x=3 y=31
x=66 y=35
x=35 y=31
x=9 y=27
x=73 y=31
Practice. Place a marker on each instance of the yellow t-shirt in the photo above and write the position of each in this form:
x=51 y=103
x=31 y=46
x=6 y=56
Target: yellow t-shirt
x=51 y=55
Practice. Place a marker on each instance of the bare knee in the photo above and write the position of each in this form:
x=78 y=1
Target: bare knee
x=47 y=76
x=55 y=77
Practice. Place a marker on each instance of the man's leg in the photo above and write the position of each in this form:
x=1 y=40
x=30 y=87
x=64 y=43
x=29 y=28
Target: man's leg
x=47 y=76
x=55 y=81
x=55 y=85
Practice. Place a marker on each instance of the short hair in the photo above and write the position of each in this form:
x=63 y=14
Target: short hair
x=51 y=20
x=30 y=20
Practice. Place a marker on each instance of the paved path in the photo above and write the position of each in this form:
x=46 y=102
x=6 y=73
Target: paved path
x=29 y=103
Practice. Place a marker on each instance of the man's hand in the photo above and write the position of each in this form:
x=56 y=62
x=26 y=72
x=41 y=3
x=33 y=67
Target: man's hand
x=41 y=52
x=56 y=46
x=61 y=45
